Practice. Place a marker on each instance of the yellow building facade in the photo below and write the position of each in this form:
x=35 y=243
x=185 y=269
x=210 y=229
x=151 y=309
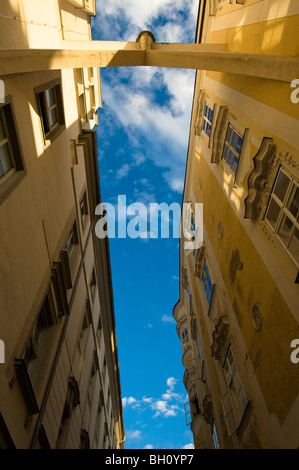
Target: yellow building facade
x=238 y=310
x=59 y=371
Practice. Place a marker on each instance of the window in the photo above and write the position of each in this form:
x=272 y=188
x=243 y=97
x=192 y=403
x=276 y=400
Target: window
x=92 y=97
x=184 y=333
x=207 y=120
x=81 y=94
x=83 y=333
x=72 y=240
x=234 y=400
x=72 y=400
x=51 y=109
x=7 y=163
x=215 y=437
x=283 y=212
x=93 y=284
x=83 y=209
x=91 y=384
x=185 y=339
x=232 y=148
x=207 y=283
x=44 y=320
x=11 y=162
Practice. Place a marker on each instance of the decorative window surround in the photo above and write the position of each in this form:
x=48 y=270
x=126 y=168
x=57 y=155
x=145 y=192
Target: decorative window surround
x=12 y=169
x=215 y=107
x=200 y=112
x=219 y=345
x=219 y=134
x=282 y=212
x=258 y=180
x=208 y=119
x=199 y=261
x=207 y=409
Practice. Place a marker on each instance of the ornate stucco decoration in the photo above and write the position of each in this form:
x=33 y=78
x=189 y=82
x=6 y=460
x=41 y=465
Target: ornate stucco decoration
x=145 y=40
x=200 y=112
x=207 y=409
x=184 y=278
x=281 y=158
x=219 y=134
x=220 y=230
x=235 y=264
x=193 y=326
x=257 y=317
x=199 y=261
x=213 y=7
x=220 y=338
x=258 y=179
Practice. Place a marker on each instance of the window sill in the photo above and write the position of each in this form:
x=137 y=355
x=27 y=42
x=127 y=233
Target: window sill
x=51 y=136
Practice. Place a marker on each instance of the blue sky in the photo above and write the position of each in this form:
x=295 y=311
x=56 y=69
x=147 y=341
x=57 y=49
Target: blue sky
x=142 y=144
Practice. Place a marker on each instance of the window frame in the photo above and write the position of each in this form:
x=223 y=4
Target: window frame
x=3 y=142
x=206 y=121
x=93 y=283
x=206 y=264
x=13 y=177
x=284 y=211
x=232 y=379
x=50 y=132
x=227 y=144
x=83 y=210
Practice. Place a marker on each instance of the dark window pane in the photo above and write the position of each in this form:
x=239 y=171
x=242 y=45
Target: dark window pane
x=51 y=99
x=285 y=230
x=281 y=186
x=53 y=115
x=293 y=204
x=239 y=144
x=2 y=128
x=6 y=163
x=273 y=213
x=229 y=134
x=294 y=245
x=234 y=140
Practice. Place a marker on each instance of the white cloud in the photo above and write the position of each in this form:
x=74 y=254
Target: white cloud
x=133 y=100
x=130 y=401
x=147 y=399
x=188 y=446
x=122 y=171
x=167 y=319
x=171 y=382
x=148 y=446
x=133 y=435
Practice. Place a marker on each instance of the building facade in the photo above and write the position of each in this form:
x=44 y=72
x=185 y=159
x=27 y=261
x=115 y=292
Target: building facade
x=59 y=371
x=238 y=311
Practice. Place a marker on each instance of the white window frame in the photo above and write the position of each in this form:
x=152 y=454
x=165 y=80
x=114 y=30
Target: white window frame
x=206 y=120
x=234 y=400
x=227 y=144
x=3 y=142
x=284 y=211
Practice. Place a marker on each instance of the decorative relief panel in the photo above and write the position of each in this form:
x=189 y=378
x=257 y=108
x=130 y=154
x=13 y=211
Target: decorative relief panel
x=207 y=409
x=220 y=338
x=199 y=261
x=200 y=112
x=235 y=264
x=219 y=134
x=259 y=180
x=257 y=317
x=184 y=278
